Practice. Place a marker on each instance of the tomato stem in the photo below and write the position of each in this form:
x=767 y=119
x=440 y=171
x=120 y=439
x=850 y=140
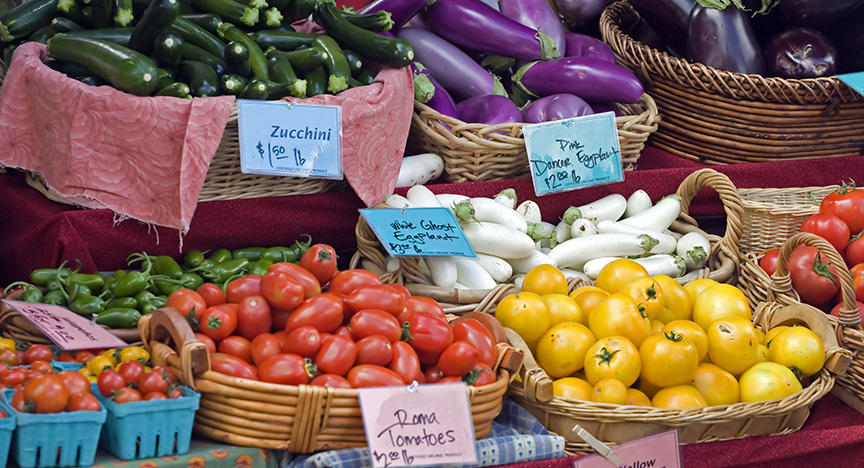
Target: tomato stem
x=822 y=268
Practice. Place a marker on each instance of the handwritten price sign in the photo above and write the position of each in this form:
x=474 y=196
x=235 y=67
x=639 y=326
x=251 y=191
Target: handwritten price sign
x=65 y=328
x=419 y=232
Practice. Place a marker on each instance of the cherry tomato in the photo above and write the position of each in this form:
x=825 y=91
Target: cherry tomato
x=233 y=366
x=814 y=279
x=236 y=290
x=323 y=311
x=167 y=372
x=212 y=294
x=37 y=352
x=368 y=375
x=336 y=356
x=83 y=402
x=432 y=374
x=854 y=253
x=208 y=342
x=458 y=358
x=219 y=321
x=847 y=203
x=305 y=341
x=472 y=331
x=174 y=392
x=320 y=260
x=46 y=393
x=130 y=370
x=17 y=401
x=83 y=355
x=429 y=334
x=8 y=357
x=831 y=228
x=153 y=381
x=65 y=357
x=480 y=375
x=126 y=395
x=768 y=262
x=347 y=281
x=379 y=297
x=236 y=345
x=154 y=396
x=406 y=363
x=368 y=322
x=424 y=305
x=281 y=290
x=253 y=317
x=330 y=380
x=43 y=367
x=374 y=349
x=13 y=377
x=286 y=369
x=311 y=285
x=187 y=301
x=109 y=381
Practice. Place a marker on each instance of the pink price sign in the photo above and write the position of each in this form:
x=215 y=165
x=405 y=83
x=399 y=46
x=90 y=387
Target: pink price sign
x=418 y=425
x=657 y=451
x=65 y=328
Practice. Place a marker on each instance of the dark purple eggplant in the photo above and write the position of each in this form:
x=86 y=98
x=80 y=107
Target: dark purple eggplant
x=489 y=109
x=817 y=13
x=581 y=45
x=668 y=18
x=401 y=11
x=581 y=10
x=449 y=65
x=555 y=107
x=589 y=78
x=801 y=53
x=475 y=25
x=428 y=91
x=723 y=39
x=536 y=14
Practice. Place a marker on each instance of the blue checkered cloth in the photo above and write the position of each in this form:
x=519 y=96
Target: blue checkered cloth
x=516 y=436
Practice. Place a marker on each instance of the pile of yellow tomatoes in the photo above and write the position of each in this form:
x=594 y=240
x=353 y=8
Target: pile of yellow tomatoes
x=635 y=339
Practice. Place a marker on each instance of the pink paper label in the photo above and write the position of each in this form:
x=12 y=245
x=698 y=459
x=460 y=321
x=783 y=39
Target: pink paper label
x=65 y=328
x=425 y=425
x=657 y=451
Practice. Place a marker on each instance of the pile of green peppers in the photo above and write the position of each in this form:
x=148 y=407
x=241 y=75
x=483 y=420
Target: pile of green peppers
x=118 y=300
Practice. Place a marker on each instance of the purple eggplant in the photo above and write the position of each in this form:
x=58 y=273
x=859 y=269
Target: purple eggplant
x=668 y=18
x=536 y=14
x=589 y=78
x=581 y=10
x=581 y=45
x=475 y=25
x=489 y=109
x=723 y=39
x=817 y=13
x=449 y=65
x=801 y=53
x=401 y=11
x=555 y=107
x=428 y=91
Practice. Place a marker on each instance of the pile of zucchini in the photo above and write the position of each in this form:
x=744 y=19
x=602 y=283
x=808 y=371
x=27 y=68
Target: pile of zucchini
x=199 y=48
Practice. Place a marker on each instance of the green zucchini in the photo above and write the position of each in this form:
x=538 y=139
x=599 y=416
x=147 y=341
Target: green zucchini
x=7 y=54
x=257 y=59
x=353 y=83
x=285 y=78
x=116 y=35
x=123 y=13
x=101 y=11
x=282 y=40
x=306 y=58
x=22 y=20
x=259 y=4
x=273 y=17
x=176 y=89
x=195 y=34
x=192 y=52
x=232 y=84
x=165 y=78
x=208 y=21
x=168 y=50
x=201 y=78
x=229 y=10
x=90 y=80
x=67 y=68
x=76 y=13
x=336 y=64
x=255 y=89
x=122 y=67
x=154 y=21
x=279 y=4
x=365 y=76
x=389 y=51
x=62 y=25
x=355 y=61
x=376 y=22
x=42 y=34
x=298 y=9
x=237 y=59
x=316 y=81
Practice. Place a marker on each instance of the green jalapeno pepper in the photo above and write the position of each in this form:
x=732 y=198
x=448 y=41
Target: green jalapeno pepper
x=130 y=284
x=119 y=317
x=114 y=278
x=144 y=297
x=166 y=287
x=42 y=276
x=222 y=271
x=122 y=302
x=156 y=303
x=219 y=256
x=32 y=294
x=252 y=253
x=280 y=254
x=299 y=247
x=95 y=281
x=54 y=297
x=261 y=267
x=54 y=285
x=193 y=258
x=190 y=280
x=165 y=265
x=73 y=290
x=86 y=304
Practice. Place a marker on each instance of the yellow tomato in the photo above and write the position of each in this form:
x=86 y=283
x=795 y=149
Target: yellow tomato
x=572 y=387
x=7 y=343
x=695 y=287
x=99 y=363
x=617 y=273
x=799 y=349
x=609 y=391
x=679 y=397
x=676 y=300
x=587 y=297
x=733 y=344
x=563 y=308
x=545 y=279
x=647 y=292
x=768 y=381
x=111 y=354
x=762 y=354
x=656 y=327
x=718 y=302
x=613 y=357
x=85 y=371
x=525 y=313
x=637 y=398
x=134 y=353
x=647 y=388
x=716 y=385
x=761 y=336
x=668 y=359
x=618 y=315
x=692 y=331
x=561 y=350
x=773 y=332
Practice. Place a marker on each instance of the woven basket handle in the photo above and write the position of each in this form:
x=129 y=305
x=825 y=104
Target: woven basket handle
x=837 y=358
x=168 y=324
x=537 y=383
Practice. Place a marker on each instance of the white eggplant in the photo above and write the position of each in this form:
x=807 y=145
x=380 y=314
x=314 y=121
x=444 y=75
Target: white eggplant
x=498 y=268
x=397 y=201
x=449 y=200
x=665 y=242
x=659 y=217
x=611 y=207
x=562 y=230
x=592 y=267
x=695 y=249
x=369 y=265
x=442 y=270
x=549 y=230
x=507 y=197
x=470 y=273
x=488 y=210
x=518 y=280
x=498 y=240
x=419 y=169
x=422 y=197
x=525 y=264
x=530 y=210
x=574 y=253
x=663 y=264
x=582 y=227
x=571 y=273
x=637 y=202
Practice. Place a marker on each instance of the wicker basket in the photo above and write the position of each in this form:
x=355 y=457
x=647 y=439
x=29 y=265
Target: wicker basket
x=474 y=151
x=722 y=264
x=300 y=419
x=720 y=117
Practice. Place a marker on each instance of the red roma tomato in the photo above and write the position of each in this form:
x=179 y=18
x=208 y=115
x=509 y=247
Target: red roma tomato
x=378 y=296
x=305 y=341
x=37 y=352
x=813 y=278
x=330 y=380
x=374 y=349
x=219 y=321
x=847 y=203
x=311 y=285
x=233 y=366
x=187 y=301
x=46 y=394
x=279 y=318
x=154 y=396
x=130 y=370
x=174 y=392
x=253 y=317
x=13 y=377
x=424 y=305
x=282 y=336
x=208 y=342
x=323 y=311
x=768 y=262
x=450 y=379
x=264 y=346
x=236 y=345
x=109 y=381
x=400 y=289
x=320 y=260
x=343 y=331
x=368 y=375
x=368 y=322
x=829 y=227
x=429 y=334
x=347 y=281
x=458 y=358
x=835 y=311
x=336 y=356
x=42 y=367
x=153 y=381
x=83 y=402
x=236 y=290
x=432 y=374
x=8 y=357
x=405 y=363
x=127 y=395
x=472 y=331
x=212 y=294
x=281 y=290
x=854 y=253
x=286 y=369
x=480 y=375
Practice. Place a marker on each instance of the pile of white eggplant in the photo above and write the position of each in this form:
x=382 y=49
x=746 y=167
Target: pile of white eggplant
x=510 y=239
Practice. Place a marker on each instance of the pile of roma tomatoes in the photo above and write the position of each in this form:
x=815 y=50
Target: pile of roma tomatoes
x=309 y=323
x=635 y=339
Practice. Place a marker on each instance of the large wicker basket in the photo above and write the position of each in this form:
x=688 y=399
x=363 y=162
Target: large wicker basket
x=721 y=117
x=473 y=151
x=300 y=419
x=722 y=265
